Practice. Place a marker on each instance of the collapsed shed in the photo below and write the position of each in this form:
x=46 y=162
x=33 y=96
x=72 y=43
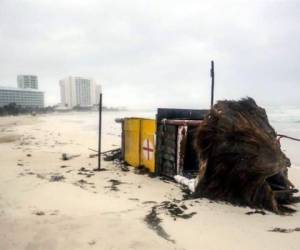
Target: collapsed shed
x=163 y=145
x=232 y=150
x=175 y=152
x=241 y=160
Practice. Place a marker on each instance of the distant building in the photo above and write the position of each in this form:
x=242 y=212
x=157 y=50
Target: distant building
x=97 y=92
x=79 y=91
x=23 y=97
x=27 y=82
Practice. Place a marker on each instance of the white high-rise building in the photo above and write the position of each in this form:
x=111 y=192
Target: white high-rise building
x=79 y=91
x=27 y=82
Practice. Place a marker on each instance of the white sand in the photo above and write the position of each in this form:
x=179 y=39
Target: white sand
x=95 y=217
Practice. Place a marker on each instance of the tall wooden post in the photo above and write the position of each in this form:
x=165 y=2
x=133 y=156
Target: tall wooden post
x=212 y=75
x=100 y=133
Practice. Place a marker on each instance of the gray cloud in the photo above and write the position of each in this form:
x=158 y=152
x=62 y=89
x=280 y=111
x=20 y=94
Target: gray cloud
x=156 y=53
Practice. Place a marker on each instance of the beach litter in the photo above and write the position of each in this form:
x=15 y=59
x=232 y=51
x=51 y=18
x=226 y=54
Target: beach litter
x=39 y=213
x=189 y=183
x=56 y=178
x=64 y=166
x=285 y=230
x=256 y=212
x=170 y=208
x=153 y=222
x=83 y=183
x=114 y=184
x=66 y=157
x=88 y=173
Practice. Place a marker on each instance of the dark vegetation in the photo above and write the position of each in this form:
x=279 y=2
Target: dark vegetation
x=241 y=160
x=14 y=109
x=104 y=108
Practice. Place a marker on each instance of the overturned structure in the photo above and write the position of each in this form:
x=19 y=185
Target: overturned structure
x=241 y=160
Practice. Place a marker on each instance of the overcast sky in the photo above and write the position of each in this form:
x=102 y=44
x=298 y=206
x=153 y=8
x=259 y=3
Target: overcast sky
x=149 y=54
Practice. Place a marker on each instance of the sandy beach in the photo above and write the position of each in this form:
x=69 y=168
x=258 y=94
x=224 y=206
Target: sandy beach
x=48 y=203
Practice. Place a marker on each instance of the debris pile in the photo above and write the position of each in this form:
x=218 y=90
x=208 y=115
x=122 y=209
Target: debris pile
x=115 y=155
x=241 y=160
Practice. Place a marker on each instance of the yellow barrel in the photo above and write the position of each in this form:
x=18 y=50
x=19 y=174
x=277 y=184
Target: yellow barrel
x=139 y=142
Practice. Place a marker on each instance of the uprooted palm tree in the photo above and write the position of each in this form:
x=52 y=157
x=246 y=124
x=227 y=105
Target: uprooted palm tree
x=241 y=160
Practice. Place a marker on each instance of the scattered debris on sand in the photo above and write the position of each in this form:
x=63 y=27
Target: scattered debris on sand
x=114 y=184
x=40 y=176
x=39 y=213
x=149 y=202
x=186 y=193
x=112 y=155
x=256 y=212
x=86 y=172
x=125 y=168
x=153 y=222
x=42 y=213
x=93 y=155
x=176 y=211
x=26 y=172
x=83 y=184
x=165 y=179
x=284 y=230
x=64 y=166
x=51 y=177
x=66 y=157
x=169 y=208
x=55 y=178
x=115 y=156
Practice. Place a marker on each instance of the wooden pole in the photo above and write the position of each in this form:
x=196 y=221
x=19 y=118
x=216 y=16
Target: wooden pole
x=100 y=132
x=212 y=75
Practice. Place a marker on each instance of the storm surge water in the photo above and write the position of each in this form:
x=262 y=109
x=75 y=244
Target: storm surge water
x=287 y=121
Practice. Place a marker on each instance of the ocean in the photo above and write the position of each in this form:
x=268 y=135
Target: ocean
x=287 y=121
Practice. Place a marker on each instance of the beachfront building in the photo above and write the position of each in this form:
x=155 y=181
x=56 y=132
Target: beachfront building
x=79 y=91
x=27 y=82
x=24 y=97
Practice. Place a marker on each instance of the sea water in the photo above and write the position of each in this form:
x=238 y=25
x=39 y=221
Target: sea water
x=287 y=121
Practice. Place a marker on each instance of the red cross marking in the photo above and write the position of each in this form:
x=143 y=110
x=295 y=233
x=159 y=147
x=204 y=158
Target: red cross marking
x=148 y=148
